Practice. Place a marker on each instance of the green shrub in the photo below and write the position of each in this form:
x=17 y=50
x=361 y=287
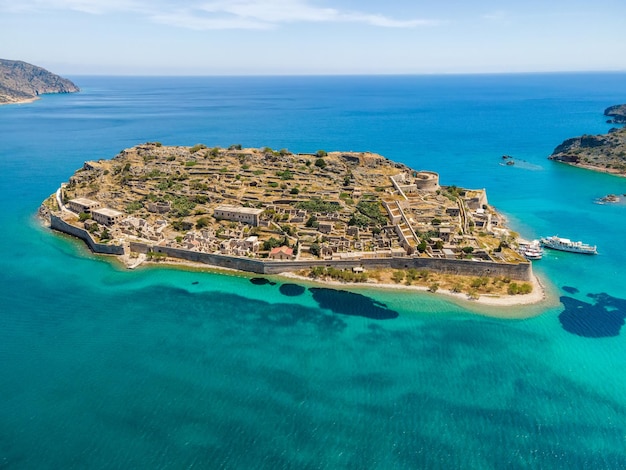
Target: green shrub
x=315 y=249
x=133 y=206
x=203 y=222
x=197 y=147
x=513 y=288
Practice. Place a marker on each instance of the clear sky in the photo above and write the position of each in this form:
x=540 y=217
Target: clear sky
x=225 y=37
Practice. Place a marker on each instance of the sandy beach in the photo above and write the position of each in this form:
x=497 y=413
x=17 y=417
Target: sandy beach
x=24 y=101
x=537 y=295
x=500 y=305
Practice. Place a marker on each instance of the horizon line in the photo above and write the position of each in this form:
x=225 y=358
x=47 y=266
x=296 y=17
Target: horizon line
x=347 y=74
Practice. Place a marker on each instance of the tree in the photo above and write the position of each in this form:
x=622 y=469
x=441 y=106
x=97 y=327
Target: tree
x=320 y=163
x=271 y=243
x=397 y=276
x=321 y=153
x=202 y=222
x=312 y=222
x=359 y=220
x=456 y=287
x=525 y=288
x=513 y=288
x=315 y=249
x=84 y=216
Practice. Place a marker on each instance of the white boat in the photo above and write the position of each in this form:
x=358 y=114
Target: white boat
x=565 y=244
x=532 y=250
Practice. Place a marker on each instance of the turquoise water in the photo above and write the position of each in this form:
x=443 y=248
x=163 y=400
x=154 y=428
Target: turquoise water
x=159 y=368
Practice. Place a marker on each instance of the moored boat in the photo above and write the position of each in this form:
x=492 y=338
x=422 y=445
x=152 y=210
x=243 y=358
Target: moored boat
x=565 y=244
x=532 y=250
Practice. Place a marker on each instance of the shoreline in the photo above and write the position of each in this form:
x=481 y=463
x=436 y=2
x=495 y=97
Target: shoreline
x=540 y=297
x=485 y=304
x=608 y=171
x=23 y=101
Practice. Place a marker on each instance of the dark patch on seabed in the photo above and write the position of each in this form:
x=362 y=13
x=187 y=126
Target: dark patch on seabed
x=291 y=290
x=570 y=290
x=261 y=281
x=349 y=303
x=601 y=319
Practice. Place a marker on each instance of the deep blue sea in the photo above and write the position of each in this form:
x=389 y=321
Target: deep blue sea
x=158 y=368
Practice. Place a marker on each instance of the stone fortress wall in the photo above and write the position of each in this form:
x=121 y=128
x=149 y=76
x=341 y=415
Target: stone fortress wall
x=519 y=271
x=59 y=224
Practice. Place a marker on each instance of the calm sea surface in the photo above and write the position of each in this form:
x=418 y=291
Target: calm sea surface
x=158 y=368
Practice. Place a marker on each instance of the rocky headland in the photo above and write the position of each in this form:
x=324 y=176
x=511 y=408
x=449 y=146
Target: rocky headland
x=605 y=152
x=617 y=112
x=21 y=82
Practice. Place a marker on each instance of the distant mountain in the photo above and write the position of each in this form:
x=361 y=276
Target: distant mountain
x=20 y=82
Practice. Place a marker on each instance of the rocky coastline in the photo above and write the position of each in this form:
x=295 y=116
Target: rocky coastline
x=21 y=82
x=605 y=152
x=617 y=113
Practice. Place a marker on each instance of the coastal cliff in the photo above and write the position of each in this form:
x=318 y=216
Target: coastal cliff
x=605 y=152
x=22 y=82
x=617 y=112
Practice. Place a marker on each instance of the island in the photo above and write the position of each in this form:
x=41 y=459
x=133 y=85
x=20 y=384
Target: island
x=617 y=113
x=606 y=152
x=333 y=216
x=21 y=82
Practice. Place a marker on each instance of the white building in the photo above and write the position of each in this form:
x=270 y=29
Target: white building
x=82 y=204
x=106 y=216
x=246 y=215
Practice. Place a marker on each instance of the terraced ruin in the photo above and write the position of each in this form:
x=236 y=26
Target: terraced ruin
x=277 y=205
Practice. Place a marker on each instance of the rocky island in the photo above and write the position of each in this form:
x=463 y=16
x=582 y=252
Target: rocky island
x=351 y=216
x=21 y=82
x=605 y=152
x=617 y=113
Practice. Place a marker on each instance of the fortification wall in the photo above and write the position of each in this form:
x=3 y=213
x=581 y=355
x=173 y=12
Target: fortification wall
x=222 y=261
x=59 y=224
x=521 y=271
